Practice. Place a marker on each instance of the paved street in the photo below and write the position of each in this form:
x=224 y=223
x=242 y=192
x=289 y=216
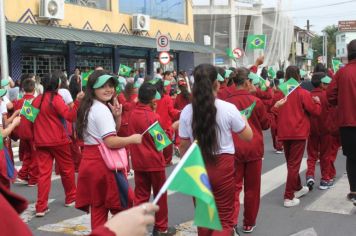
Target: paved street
x=322 y=213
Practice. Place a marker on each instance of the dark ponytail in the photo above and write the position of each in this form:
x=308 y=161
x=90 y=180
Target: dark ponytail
x=204 y=123
x=241 y=76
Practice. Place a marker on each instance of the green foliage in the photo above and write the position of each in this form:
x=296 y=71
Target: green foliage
x=317 y=42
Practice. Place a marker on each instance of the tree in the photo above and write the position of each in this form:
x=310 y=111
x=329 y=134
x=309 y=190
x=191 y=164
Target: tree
x=330 y=32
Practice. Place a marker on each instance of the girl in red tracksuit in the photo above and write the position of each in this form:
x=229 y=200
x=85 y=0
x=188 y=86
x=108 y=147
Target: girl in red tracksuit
x=293 y=130
x=249 y=154
x=183 y=98
x=98 y=186
x=53 y=142
x=167 y=115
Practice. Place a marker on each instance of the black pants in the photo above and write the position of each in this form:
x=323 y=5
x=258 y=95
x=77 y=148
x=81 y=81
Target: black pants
x=348 y=141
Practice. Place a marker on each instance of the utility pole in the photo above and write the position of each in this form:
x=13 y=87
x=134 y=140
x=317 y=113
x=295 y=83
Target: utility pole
x=3 y=43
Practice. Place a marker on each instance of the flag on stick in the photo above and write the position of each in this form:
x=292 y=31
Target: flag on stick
x=124 y=70
x=160 y=138
x=248 y=111
x=336 y=64
x=255 y=41
x=271 y=73
x=190 y=178
x=85 y=77
x=29 y=111
x=230 y=53
x=289 y=86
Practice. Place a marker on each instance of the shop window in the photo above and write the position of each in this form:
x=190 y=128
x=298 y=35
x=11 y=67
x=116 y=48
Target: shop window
x=100 y=4
x=89 y=62
x=169 y=10
x=42 y=64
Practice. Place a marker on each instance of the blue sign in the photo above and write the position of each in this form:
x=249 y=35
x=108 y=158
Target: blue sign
x=219 y=61
x=310 y=54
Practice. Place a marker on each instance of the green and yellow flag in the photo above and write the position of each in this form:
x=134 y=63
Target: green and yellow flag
x=29 y=111
x=288 y=86
x=255 y=41
x=271 y=72
x=159 y=136
x=229 y=53
x=336 y=64
x=124 y=70
x=248 y=111
x=85 y=77
x=1 y=142
x=190 y=177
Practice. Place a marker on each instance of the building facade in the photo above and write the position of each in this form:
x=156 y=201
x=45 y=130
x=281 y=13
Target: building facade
x=98 y=33
x=346 y=33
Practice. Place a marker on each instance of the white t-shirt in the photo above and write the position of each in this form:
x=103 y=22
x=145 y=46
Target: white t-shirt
x=228 y=119
x=65 y=94
x=101 y=123
x=3 y=106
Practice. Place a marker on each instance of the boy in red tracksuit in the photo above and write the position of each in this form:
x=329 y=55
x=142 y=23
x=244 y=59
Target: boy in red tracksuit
x=168 y=114
x=320 y=140
x=248 y=155
x=293 y=130
x=148 y=163
x=29 y=171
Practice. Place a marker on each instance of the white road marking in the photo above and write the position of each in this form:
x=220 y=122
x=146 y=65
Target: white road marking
x=29 y=213
x=306 y=232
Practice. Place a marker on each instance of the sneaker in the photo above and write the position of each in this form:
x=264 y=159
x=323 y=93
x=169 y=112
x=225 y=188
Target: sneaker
x=31 y=185
x=236 y=231
x=43 y=213
x=20 y=181
x=291 y=203
x=324 y=185
x=248 y=229
x=72 y=204
x=279 y=152
x=171 y=231
x=310 y=182
x=352 y=198
x=303 y=191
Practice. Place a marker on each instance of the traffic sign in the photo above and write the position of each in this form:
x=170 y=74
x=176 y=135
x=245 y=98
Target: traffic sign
x=164 y=58
x=238 y=53
x=163 y=44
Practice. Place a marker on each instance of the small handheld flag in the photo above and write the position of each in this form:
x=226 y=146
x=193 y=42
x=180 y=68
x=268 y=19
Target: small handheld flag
x=159 y=136
x=336 y=64
x=255 y=41
x=85 y=77
x=124 y=70
x=1 y=141
x=190 y=177
x=248 y=111
x=289 y=86
x=230 y=53
x=271 y=73
x=29 y=112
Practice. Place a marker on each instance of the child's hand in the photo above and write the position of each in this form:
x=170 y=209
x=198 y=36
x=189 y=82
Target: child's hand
x=116 y=108
x=316 y=99
x=136 y=138
x=16 y=121
x=17 y=112
x=280 y=102
x=80 y=96
x=175 y=125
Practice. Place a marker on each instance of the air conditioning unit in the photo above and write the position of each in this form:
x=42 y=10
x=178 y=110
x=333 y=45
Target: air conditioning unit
x=52 y=9
x=140 y=22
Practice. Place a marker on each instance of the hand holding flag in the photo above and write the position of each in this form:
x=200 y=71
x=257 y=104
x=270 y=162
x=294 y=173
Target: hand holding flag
x=289 y=86
x=160 y=137
x=29 y=112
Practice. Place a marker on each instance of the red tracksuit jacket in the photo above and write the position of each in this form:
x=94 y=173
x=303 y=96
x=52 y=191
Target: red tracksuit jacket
x=144 y=156
x=293 y=117
x=127 y=107
x=342 y=92
x=259 y=120
x=166 y=112
x=48 y=128
x=180 y=102
x=319 y=124
x=278 y=95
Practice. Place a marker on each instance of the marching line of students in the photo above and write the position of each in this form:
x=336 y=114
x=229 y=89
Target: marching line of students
x=232 y=145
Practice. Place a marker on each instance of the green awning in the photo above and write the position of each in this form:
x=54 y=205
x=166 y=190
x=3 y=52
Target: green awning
x=87 y=36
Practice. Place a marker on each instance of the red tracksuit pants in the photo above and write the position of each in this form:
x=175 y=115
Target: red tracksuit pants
x=29 y=169
x=319 y=147
x=221 y=177
x=277 y=145
x=62 y=155
x=168 y=151
x=143 y=183
x=248 y=177
x=293 y=152
x=336 y=144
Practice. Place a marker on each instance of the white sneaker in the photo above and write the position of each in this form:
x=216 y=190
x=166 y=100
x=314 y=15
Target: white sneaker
x=43 y=213
x=20 y=181
x=279 y=152
x=72 y=204
x=303 y=191
x=291 y=203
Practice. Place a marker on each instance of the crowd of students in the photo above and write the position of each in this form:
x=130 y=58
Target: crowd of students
x=72 y=126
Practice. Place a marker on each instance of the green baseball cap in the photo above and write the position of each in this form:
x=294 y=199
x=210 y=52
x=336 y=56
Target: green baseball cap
x=228 y=73
x=254 y=77
x=157 y=96
x=4 y=82
x=3 y=92
x=122 y=80
x=302 y=73
x=101 y=80
x=220 y=78
x=154 y=81
x=326 y=80
x=136 y=84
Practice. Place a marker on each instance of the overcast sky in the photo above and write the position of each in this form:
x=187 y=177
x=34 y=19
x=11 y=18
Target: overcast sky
x=321 y=13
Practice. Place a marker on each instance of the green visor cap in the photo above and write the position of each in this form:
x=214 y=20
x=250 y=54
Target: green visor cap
x=326 y=80
x=137 y=85
x=302 y=73
x=220 y=78
x=157 y=96
x=122 y=80
x=166 y=83
x=281 y=81
x=154 y=81
x=3 y=92
x=4 y=82
x=254 y=77
x=101 y=80
x=228 y=73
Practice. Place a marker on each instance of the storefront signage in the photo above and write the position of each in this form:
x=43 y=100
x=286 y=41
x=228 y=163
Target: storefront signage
x=163 y=44
x=164 y=58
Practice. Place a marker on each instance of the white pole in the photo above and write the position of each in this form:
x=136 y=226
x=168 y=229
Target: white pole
x=149 y=127
x=3 y=44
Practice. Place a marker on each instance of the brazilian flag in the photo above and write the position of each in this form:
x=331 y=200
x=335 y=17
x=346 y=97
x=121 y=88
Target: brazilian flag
x=288 y=86
x=159 y=136
x=85 y=77
x=29 y=112
x=248 y=111
x=190 y=177
x=124 y=70
x=255 y=41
